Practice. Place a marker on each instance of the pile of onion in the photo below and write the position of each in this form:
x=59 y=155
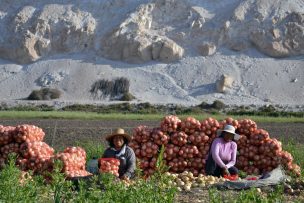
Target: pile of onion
x=77 y=173
x=109 y=165
x=187 y=144
x=26 y=141
x=179 y=138
x=259 y=153
x=159 y=137
x=141 y=134
x=246 y=126
x=210 y=126
x=9 y=148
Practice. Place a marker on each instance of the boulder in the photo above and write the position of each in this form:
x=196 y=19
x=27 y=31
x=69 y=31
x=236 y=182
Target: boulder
x=207 y=49
x=224 y=83
x=272 y=48
x=140 y=47
x=170 y=51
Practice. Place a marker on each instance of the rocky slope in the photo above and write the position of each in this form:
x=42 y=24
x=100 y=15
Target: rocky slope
x=172 y=51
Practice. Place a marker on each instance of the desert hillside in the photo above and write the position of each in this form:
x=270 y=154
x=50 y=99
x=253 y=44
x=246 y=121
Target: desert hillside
x=241 y=52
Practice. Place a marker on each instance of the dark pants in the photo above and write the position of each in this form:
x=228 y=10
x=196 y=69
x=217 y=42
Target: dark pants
x=214 y=170
x=219 y=171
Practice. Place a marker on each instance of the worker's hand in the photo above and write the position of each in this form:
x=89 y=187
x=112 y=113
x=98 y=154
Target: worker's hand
x=226 y=171
x=126 y=178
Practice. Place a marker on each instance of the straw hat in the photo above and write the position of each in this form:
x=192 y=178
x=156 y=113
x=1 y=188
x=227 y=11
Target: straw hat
x=118 y=131
x=229 y=129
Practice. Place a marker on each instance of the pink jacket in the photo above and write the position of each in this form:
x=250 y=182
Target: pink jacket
x=224 y=153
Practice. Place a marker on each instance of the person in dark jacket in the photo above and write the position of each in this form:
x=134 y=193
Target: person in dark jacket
x=119 y=149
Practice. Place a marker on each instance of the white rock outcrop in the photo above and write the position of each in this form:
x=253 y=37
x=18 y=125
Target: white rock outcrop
x=274 y=30
x=49 y=79
x=140 y=37
x=138 y=31
x=207 y=49
x=224 y=83
x=286 y=38
x=141 y=48
x=54 y=29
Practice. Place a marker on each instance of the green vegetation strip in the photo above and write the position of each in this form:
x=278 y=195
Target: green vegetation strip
x=105 y=188
x=128 y=116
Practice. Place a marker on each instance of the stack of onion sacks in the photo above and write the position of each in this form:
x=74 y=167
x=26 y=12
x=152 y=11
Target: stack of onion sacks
x=36 y=156
x=259 y=153
x=26 y=142
x=74 y=160
x=145 y=148
x=255 y=148
x=109 y=165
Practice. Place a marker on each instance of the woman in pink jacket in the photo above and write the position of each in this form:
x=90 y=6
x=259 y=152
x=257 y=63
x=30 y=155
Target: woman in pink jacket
x=222 y=155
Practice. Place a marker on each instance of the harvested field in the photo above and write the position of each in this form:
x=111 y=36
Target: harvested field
x=62 y=133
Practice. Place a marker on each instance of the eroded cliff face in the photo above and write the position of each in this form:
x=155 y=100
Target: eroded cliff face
x=273 y=27
x=141 y=31
x=54 y=29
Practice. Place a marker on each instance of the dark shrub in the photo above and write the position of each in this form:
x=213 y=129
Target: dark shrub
x=127 y=97
x=44 y=94
x=218 y=105
x=204 y=105
x=267 y=109
x=116 y=89
x=121 y=86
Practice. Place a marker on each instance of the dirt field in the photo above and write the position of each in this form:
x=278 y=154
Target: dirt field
x=62 y=133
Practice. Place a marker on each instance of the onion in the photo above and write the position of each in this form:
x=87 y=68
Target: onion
x=190 y=125
x=159 y=137
x=246 y=126
x=141 y=134
x=179 y=138
x=229 y=121
x=170 y=124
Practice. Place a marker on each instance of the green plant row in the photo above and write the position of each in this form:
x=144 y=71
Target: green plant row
x=216 y=108
x=105 y=188
x=100 y=188
x=130 y=116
